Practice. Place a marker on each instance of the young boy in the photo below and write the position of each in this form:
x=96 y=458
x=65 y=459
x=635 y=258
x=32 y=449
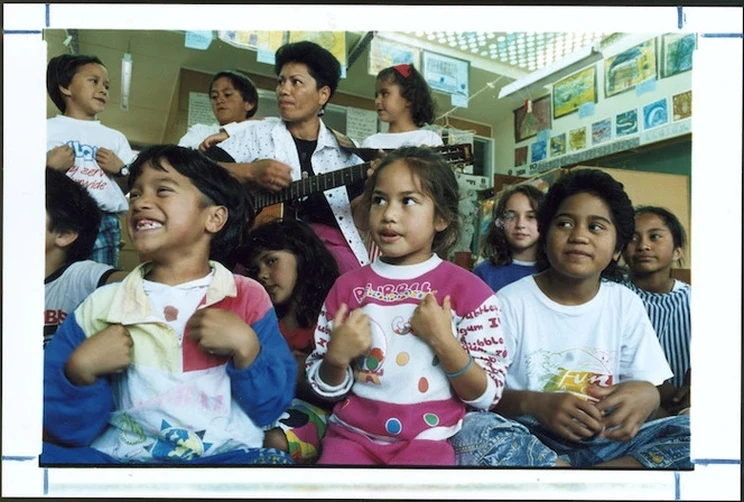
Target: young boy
x=182 y=362
x=72 y=219
x=90 y=153
x=586 y=360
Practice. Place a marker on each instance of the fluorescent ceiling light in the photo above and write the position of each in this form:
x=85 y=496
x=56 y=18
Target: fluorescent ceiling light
x=126 y=79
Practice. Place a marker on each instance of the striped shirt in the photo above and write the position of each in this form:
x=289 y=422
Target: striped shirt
x=670 y=317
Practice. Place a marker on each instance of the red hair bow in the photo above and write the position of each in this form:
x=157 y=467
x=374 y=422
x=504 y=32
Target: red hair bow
x=403 y=69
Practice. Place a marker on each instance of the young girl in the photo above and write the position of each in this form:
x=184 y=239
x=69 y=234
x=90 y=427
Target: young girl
x=658 y=242
x=511 y=240
x=585 y=359
x=404 y=344
x=403 y=100
x=297 y=271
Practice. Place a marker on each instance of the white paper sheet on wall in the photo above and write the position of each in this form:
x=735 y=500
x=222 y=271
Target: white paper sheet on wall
x=200 y=109
x=360 y=124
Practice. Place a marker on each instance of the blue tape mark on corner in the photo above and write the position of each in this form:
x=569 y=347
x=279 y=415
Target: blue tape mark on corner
x=18 y=458
x=722 y=35
x=46 y=10
x=46 y=481
x=21 y=32
x=680 y=17
x=716 y=461
x=676 y=486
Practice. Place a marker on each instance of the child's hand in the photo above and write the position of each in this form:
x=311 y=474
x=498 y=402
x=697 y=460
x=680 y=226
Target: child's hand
x=351 y=337
x=629 y=405
x=212 y=140
x=108 y=161
x=430 y=322
x=61 y=158
x=108 y=351
x=224 y=333
x=568 y=415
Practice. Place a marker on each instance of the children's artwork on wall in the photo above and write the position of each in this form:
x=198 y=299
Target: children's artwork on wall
x=571 y=92
x=528 y=120
x=682 y=105
x=520 y=156
x=676 y=53
x=384 y=53
x=601 y=131
x=577 y=139
x=539 y=150
x=558 y=145
x=655 y=114
x=630 y=67
x=626 y=123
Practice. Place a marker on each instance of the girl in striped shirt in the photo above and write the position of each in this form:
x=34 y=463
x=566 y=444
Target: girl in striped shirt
x=658 y=242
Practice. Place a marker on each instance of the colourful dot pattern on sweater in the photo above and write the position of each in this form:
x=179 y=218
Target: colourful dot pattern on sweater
x=402 y=358
x=393 y=426
x=431 y=419
x=423 y=385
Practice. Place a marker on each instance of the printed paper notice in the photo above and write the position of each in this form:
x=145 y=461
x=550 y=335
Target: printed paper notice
x=200 y=109
x=360 y=124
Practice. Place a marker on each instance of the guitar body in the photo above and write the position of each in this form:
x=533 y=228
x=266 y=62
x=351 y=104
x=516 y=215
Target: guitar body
x=269 y=213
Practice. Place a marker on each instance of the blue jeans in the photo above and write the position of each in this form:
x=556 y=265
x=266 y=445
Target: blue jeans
x=488 y=439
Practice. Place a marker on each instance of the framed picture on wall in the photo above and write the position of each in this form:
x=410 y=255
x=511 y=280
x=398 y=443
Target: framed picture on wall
x=571 y=92
x=384 y=53
x=446 y=74
x=676 y=53
x=527 y=123
x=623 y=71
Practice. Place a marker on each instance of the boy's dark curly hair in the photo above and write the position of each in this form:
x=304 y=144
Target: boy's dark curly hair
x=437 y=181
x=243 y=85
x=316 y=267
x=71 y=208
x=415 y=90
x=602 y=185
x=321 y=64
x=60 y=72
x=215 y=183
x=495 y=246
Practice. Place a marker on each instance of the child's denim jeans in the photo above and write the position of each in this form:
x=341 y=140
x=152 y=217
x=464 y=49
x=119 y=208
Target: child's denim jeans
x=488 y=439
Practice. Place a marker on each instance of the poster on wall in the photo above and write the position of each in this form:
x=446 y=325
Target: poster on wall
x=682 y=105
x=446 y=74
x=601 y=131
x=259 y=40
x=655 y=114
x=333 y=41
x=577 y=139
x=384 y=53
x=676 y=53
x=558 y=145
x=626 y=123
x=520 y=156
x=624 y=71
x=529 y=119
x=539 y=150
x=571 y=92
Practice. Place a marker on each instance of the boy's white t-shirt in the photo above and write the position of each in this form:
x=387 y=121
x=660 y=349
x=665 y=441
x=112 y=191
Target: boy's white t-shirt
x=390 y=140
x=86 y=137
x=560 y=348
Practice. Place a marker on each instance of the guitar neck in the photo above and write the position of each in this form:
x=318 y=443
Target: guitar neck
x=311 y=185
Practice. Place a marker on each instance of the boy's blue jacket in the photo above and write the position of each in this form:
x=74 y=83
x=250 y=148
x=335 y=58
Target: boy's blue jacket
x=174 y=400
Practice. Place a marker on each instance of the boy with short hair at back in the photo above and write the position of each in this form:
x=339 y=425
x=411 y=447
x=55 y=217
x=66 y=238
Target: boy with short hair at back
x=182 y=362
x=90 y=153
x=72 y=219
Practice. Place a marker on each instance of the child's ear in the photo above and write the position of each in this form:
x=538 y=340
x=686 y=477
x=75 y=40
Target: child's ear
x=216 y=219
x=677 y=254
x=65 y=237
x=440 y=223
x=65 y=91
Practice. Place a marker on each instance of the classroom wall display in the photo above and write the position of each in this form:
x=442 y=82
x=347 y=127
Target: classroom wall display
x=623 y=71
x=601 y=131
x=520 y=156
x=529 y=120
x=682 y=105
x=333 y=41
x=571 y=92
x=446 y=74
x=577 y=139
x=676 y=53
x=384 y=53
x=259 y=40
x=626 y=123
x=539 y=150
x=558 y=145
x=655 y=114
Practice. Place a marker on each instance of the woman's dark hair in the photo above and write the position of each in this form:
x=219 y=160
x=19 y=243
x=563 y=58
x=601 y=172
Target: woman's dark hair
x=71 y=208
x=495 y=246
x=679 y=236
x=243 y=85
x=599 y=184
x=215 y=183
x=438 y=182
x=60 y=72
x=414 y=89
x=321 y=64
x=316 y=267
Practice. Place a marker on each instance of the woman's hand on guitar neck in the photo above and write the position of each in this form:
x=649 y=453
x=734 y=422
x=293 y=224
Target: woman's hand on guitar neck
x=270 y=174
